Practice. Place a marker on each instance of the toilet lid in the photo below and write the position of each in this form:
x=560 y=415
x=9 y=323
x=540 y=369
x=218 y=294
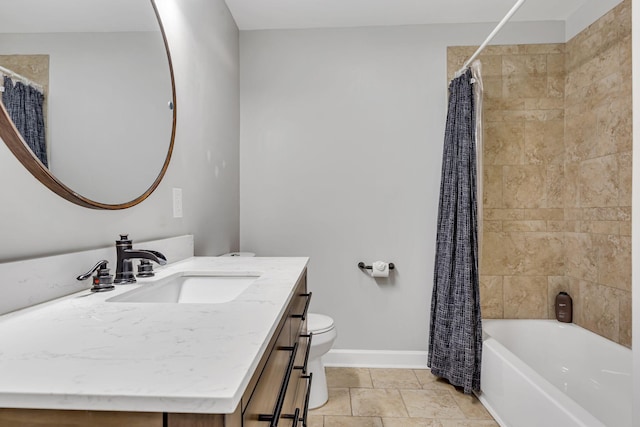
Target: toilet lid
x=319 y=323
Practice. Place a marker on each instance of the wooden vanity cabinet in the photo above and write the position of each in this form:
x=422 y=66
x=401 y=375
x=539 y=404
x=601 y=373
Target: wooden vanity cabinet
x=279 y=387
x=278 y=396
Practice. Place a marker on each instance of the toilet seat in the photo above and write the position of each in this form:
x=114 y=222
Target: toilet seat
x=319 y=323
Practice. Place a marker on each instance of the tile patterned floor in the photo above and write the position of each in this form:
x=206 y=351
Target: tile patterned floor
x=360 y=397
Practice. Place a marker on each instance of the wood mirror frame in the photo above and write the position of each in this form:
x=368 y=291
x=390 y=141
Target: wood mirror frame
x=12 y=138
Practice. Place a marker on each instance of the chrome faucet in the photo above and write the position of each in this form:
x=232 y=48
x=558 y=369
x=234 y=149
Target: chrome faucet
x=125 y=254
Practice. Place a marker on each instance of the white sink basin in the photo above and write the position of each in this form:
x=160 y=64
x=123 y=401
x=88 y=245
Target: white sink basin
x=188 y=288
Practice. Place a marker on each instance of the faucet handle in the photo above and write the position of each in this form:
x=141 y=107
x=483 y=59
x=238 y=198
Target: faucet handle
x=100 y=265
x=145 y=269
x=102 y=281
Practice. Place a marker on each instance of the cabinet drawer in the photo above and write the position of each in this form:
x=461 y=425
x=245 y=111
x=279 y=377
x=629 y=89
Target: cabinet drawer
x=302 y=356
x=264 y=397
x=302 y=397
x=297 y=400
x=300 y=301
x=290 y=402
x=275 y=400
x=290 y=420
x=299 y=309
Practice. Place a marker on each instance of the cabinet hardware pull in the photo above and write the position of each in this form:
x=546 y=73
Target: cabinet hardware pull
x=306 y=307
x=273 y=418
x=295 y=417
x=306 y=399
x=306 y=354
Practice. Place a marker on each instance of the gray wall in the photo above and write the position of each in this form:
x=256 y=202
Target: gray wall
x=341 y=145
x=204 y=43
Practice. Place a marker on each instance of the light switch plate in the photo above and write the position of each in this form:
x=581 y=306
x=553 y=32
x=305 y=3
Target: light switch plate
x=177 y=202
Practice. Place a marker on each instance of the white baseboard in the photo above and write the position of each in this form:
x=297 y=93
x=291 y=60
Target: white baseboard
x=376 y=359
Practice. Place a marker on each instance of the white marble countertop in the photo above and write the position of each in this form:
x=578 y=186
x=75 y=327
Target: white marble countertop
x=82 y=352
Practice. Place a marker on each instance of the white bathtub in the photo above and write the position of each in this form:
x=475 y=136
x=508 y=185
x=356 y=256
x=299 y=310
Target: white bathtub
x=546 y=373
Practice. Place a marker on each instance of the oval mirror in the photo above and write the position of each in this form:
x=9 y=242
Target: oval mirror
x=88 y=97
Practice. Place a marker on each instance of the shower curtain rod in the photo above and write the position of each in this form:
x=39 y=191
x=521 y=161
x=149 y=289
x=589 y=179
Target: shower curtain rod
x=22 y=78
x=490 y=37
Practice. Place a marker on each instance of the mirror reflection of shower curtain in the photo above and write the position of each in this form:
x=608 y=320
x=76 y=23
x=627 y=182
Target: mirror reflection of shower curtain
x=25 y=107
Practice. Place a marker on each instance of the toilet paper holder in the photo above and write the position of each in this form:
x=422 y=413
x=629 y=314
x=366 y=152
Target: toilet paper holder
x=370 y=267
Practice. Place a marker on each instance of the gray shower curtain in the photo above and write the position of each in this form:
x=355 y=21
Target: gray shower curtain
x=455 y=339
x=24 y=105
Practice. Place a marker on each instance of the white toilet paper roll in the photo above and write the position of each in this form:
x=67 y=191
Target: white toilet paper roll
x=380 y=269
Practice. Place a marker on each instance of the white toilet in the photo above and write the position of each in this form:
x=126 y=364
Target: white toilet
x=324 y=335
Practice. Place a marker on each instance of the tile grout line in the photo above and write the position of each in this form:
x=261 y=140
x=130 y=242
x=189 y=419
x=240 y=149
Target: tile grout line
x=400 y=386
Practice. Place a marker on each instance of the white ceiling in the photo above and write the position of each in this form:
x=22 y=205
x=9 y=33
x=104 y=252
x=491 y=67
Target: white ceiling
x=24 y=16
x=48 y=16
x=272 y=14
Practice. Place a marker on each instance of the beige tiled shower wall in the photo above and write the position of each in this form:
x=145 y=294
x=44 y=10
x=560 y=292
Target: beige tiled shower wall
x=598 y=146
x=557 y=176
